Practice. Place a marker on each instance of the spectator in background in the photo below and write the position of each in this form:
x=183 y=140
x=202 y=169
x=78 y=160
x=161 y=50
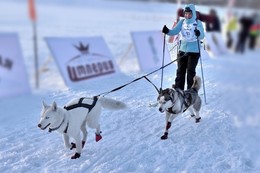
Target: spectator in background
x=254 y=31
x=213 y=26
x=231 y=29
x=212 y=22
x=243 y=35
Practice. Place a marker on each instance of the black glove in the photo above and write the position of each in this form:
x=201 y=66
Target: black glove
x=165 y=30
x=197 y=32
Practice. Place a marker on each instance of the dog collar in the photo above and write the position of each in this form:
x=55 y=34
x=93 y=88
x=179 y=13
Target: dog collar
x=56 y=128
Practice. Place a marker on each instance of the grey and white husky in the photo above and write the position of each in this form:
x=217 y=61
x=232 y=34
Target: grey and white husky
x=73 y=118
x=176 y=101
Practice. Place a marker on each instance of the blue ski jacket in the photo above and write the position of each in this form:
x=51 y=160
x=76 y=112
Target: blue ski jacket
x=186 y=27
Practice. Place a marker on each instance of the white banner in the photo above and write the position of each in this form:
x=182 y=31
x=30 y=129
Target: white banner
x=149 y=48
x=81 y=59
x=13 y=76
x=215 y=43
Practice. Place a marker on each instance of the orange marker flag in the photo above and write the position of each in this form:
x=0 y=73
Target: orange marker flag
x=32 y=15
x=32 y=12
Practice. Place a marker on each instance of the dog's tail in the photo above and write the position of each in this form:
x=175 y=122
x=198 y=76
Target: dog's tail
x=112 y=104
x=196 y=83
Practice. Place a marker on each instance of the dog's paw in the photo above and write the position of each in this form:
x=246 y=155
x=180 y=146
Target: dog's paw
x=73 y=145
x=164 y=136
x=75 y=156
x=98 y=137
x=198 y=120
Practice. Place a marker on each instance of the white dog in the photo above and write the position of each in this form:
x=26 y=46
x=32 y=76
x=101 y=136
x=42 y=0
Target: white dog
x=74 y=117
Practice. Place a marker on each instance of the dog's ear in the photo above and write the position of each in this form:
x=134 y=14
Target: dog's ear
x=158 y=98
x=165 y=91
x=44 y=105
x=170 y=91
x=54 y=106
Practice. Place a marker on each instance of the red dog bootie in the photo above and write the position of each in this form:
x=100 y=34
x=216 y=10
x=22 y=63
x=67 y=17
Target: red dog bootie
x=98 y=137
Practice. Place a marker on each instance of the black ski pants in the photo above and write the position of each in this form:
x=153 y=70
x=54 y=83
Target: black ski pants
x=187 y=63
x=241 y=43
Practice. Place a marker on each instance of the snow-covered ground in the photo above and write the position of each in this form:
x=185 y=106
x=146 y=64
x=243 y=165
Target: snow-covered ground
x=226 y=140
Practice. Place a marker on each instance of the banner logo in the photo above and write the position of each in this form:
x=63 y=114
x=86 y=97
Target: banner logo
x=6 y=63
x=88 y=65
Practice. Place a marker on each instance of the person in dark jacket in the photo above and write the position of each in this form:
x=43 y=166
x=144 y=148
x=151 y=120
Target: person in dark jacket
x=243 y=35
x=191 y=31
x=254 y=31
x=214 y=23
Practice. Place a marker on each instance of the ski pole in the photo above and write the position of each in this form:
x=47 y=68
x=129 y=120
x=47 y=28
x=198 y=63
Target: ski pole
x=202 y=71
x=163 y=61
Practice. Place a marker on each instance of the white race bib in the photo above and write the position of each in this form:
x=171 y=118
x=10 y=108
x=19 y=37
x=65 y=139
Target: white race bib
x=187 y=32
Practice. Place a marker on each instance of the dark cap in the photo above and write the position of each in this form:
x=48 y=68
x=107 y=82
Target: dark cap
x=187 y=9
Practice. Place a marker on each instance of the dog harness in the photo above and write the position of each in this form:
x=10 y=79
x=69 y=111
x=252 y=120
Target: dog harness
x=186 y=96
x=79 y=104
